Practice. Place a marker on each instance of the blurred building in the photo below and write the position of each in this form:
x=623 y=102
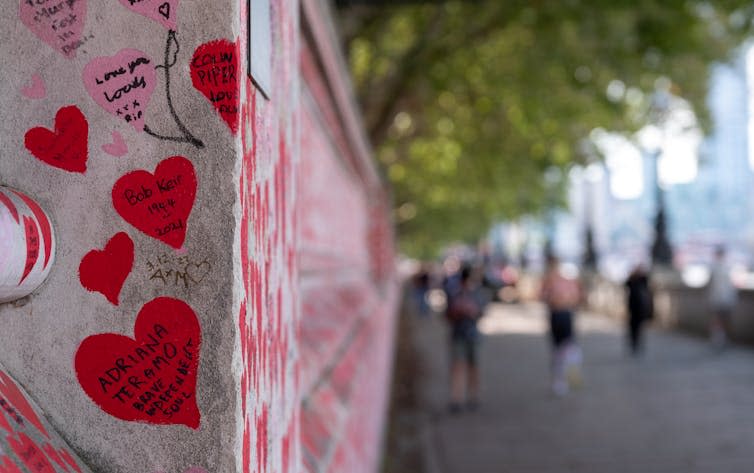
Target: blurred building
x=716 y=207
x=708 y=193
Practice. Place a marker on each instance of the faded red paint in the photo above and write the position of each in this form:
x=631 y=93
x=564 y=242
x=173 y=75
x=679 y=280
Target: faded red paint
x=44 y=223
x=53 y=455
x=23 y=433
x=8 y=466
x=30 y=453
x=32 y=246
x=69 y=460
x=313 y=261
x=11 y=394
x=5 y=200
x=5 y=424
x=268 y=314
x=348 y=290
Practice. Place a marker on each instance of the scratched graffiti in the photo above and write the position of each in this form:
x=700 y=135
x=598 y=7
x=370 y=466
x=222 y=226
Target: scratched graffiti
x=183 y=271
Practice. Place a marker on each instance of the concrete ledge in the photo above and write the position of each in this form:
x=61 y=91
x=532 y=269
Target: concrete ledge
x=677 y=306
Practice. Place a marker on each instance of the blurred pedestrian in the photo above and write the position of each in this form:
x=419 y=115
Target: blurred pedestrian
x=722 y=297
x=562 y=296
x=452 y=280
x=421 y=286
x=465 y=306
x=640 y=307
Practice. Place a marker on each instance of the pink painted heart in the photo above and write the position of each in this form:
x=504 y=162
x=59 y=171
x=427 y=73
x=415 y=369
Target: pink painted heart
x=59 y=24
x=122 y=84
x=35 y=89
x=164 y=12
x=117 y=148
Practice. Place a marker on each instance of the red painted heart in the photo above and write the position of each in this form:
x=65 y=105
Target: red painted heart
x=105 y=271
x=150 y=378
x=66 y=147
x=158 y=204
x=214 y=73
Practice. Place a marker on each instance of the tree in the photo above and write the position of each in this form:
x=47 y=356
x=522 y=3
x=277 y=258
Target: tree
x=469 y=103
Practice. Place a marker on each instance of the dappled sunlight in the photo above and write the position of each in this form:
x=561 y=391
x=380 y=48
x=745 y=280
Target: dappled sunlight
x=531 y=319
x=512 y=319
x=591 y=323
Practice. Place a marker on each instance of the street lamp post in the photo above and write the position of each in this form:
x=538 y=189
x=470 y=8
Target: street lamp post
x=589 y=257
x=590 y=254
x=662 y=252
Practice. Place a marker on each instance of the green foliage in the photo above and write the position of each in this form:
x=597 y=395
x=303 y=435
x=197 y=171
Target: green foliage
x=469 y=103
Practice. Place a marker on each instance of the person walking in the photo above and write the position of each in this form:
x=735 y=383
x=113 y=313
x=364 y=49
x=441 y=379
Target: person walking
x=562 y=295
x=722 y=297
x=640 y=307
x=465 y=306
x=421 y=284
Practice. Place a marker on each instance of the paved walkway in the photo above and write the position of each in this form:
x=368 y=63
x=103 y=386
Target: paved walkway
x=680 y=409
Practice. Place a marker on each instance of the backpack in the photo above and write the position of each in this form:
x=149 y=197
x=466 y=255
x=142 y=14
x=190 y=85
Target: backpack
x=463 y=305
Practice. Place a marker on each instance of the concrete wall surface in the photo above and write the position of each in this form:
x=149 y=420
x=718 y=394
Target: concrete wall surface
x=222 y=281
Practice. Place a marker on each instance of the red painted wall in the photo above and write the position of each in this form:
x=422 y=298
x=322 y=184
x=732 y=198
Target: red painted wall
x=268 y=314
x=315 y=253
x=346 y=274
